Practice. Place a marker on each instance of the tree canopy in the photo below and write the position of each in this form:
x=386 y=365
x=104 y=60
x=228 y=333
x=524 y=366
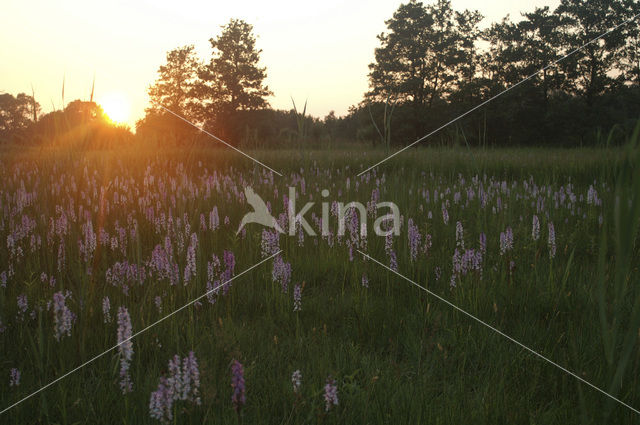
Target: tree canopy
x=233 y=79
x=211 y=93
x=17 y=113
x=430 y=60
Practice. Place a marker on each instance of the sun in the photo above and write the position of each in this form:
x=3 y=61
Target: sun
x=116 y=107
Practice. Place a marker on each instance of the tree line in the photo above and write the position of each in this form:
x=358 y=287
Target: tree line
x=433 y=63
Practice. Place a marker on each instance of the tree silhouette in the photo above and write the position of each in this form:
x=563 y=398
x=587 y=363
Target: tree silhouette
x=423 y=55
x=175 y=90
x=232 y=80
x=629 y=60
x=175 y=87
x=538 y=45
x=582 y=21
x=16 y=114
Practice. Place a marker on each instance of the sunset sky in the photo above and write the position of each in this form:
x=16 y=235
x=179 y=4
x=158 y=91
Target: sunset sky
x=317 y=51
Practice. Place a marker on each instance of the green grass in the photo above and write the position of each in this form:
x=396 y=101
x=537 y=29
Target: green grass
x=398 y=354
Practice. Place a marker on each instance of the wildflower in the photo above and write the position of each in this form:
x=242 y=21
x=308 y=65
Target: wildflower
x=225 y=276
x=438 y=273
x=213 y=284
x=506 y=241
x=237 y=384
x=535 y=228
x=296 y=380
x=393 y=262
x=459 y=235
x=269 y=243
x=183 y=383
x=414 y=239
x=483 y=243
x=445 y=214
x=330 y=394
x=230 y=264
x=48 y=279
x=61 y=257
x=125 y=346
x=365 y=281
x=552 y=241
x=456 y=265
x=300 y=235
x=203 y=223
x=214 y=220
x=14 y=377
x=23 y=305
x=190 y=378
x=174 y=381
x=106 y=310
x=190 y=268
x=592 y=196
x=158 y=303
x=62 y=316
x=87 y=245
x=427 y=244
x=281 y=273
x=297 y=298
x=124 y=274
x=476 y=261
x=161 y=402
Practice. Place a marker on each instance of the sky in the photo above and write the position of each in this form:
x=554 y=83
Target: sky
x=316 y=51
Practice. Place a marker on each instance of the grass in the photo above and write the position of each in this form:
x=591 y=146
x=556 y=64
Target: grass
x=397 y=354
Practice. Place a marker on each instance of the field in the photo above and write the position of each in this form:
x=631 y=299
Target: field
x=100 y=245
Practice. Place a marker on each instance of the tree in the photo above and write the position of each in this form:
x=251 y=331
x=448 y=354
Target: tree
x=539 y=45
x=499 y=60
x=422 y=56
x=175 y=87
x=175 y=90
x=629 y=60
x=468 y=63
x=16 y=114
x=519 y=51
x=582 y=21
x=232 y=80
x=80 y=112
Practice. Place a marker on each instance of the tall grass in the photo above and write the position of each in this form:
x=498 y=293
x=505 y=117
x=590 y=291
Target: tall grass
x=618 y=278
x=385 y=133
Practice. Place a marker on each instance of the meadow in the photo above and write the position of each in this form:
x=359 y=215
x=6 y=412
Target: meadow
x=98 y=245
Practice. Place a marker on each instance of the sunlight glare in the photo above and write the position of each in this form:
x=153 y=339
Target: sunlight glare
x=116 y=106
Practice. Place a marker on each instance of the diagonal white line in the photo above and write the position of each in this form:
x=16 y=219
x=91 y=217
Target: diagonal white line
x=501 y=333
x=217 y=138
x=577 y=49
x=136 y=334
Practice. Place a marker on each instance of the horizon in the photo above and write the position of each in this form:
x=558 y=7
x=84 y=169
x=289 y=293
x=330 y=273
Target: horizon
x=300 y=56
